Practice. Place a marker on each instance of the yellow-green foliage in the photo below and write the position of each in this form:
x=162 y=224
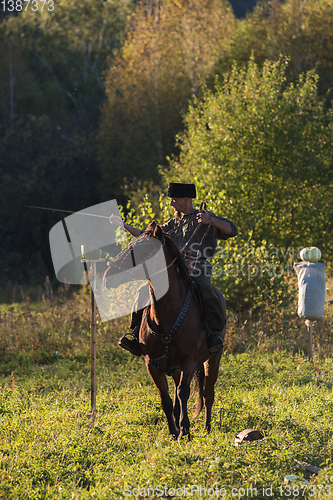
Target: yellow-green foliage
x=170 y=47
x=254 y=278
x=302 y=31
x=259 y=150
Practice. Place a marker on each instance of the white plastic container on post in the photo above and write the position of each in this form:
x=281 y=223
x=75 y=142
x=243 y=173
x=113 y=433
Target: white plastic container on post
x=311 y=289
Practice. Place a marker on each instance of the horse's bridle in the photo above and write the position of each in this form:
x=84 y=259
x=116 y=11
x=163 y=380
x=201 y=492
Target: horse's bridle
x=167 y=339
x=203 y=207
x=153 y=252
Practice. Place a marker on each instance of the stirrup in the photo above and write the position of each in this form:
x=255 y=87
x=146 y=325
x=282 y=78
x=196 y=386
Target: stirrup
x=214 y=343
x=213 y=339
x=129 y=336
x=131 y=343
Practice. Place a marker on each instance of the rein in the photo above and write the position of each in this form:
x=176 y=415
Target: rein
x=166 y=339
x=113 y=264
x=203 y=207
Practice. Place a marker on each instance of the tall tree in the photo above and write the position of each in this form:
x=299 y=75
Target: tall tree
x=66 y=50
x=299 y=29
x=50 y=95
x=170 y=48
x=261 y=151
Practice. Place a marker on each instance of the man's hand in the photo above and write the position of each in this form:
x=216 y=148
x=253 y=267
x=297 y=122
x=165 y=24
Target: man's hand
x=118 y=221
x=203 y=218
x=115 y=219
x=222 y=225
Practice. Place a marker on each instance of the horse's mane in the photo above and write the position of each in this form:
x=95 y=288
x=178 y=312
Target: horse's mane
x=180 y=262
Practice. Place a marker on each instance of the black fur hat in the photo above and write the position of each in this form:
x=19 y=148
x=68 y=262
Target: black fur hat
x=178 y=190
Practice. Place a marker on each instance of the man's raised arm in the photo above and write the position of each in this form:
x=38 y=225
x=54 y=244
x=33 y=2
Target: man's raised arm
x=224 y=226
x=115 y=219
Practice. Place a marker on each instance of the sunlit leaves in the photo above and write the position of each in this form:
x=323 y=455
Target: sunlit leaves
x=268 y=145
x=303 y=31
x=169 y=49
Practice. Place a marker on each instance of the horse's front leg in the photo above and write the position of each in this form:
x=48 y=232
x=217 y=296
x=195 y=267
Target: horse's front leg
x=161 y=384
x=211 y=373
x=176 y=404
x=183 y=392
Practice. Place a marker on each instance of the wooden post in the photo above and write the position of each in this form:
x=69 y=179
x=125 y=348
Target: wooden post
x=93 y=339
x=309 y=326
x=93 y=346
x=310 y=340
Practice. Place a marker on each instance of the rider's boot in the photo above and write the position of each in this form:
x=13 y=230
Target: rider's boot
x=214 y=340
x=130 y=341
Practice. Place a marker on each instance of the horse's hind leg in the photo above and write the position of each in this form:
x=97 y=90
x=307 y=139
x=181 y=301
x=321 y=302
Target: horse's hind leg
x=161 y=383
x=199 y=382
x=211 y=374
x=183 y=392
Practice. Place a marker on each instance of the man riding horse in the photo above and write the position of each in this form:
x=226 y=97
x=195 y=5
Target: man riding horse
x=195 y=233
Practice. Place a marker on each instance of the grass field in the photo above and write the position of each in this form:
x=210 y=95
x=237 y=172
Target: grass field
x=48 y=449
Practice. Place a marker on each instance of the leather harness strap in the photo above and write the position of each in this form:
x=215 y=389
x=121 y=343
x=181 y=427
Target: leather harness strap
x=166 y=339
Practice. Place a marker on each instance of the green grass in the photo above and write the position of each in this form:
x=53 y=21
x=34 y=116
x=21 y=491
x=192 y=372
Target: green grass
x=48 y=448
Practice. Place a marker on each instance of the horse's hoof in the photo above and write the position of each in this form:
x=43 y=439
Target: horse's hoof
x=174 y=432
x=184 y=435
x=208 y=428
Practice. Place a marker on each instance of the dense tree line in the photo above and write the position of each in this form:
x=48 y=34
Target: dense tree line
x=94 y=93
x=301 y=30
x=51 y=90
x=170 y=49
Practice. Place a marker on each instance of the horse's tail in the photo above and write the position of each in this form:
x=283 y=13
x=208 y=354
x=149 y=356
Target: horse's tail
x=199 y=378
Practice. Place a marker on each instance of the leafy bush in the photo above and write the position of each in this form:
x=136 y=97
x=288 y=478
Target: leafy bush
x=252 y=277
x=261 y=150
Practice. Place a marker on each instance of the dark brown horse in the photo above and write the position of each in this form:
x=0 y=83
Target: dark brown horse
x=186 y=355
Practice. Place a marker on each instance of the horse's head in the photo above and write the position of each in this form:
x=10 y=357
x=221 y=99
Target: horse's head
x=148 y=255
x=155 y=231
x=131 y=264
x=171 y=251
